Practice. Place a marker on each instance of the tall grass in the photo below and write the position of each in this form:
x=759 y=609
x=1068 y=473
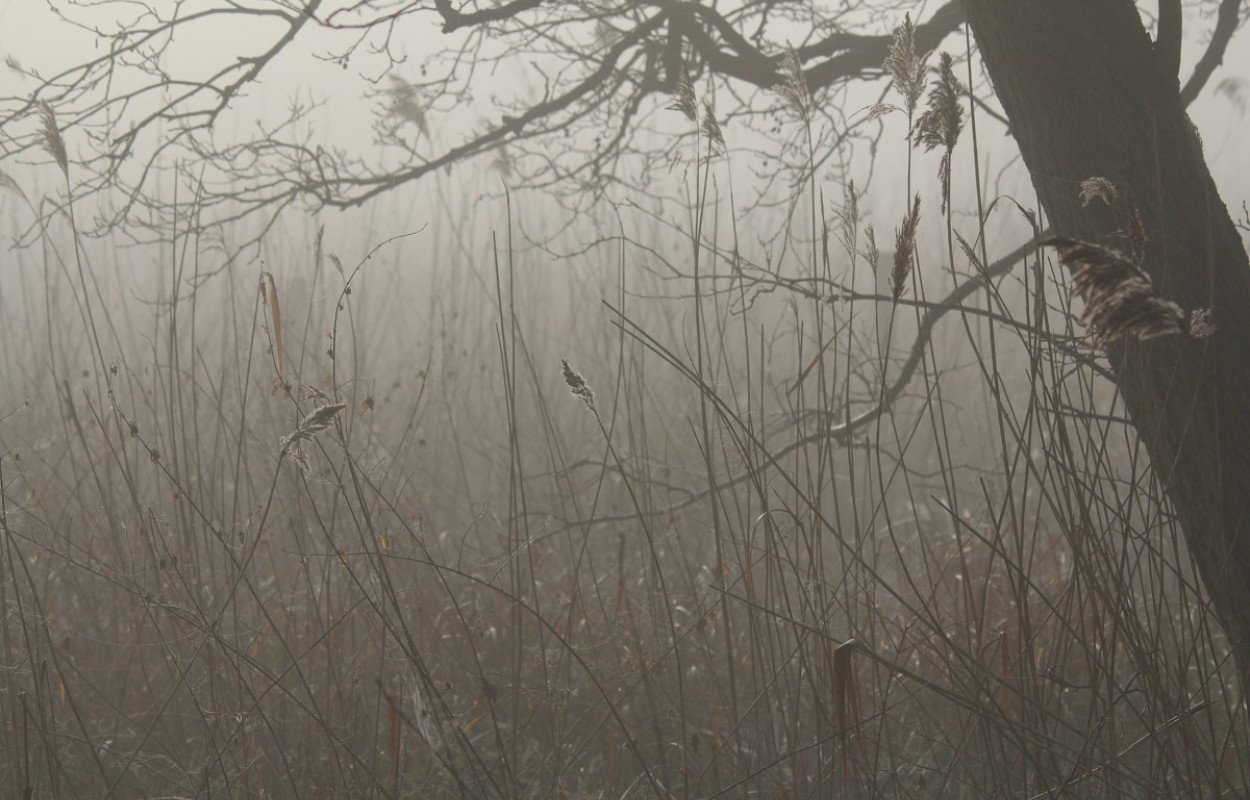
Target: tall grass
x=358 y=543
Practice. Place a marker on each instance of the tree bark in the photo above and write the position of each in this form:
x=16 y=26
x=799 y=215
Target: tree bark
x=1086 y=97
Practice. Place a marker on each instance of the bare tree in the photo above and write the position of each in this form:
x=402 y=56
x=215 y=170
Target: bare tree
x=1089 y=94
x=592 y=77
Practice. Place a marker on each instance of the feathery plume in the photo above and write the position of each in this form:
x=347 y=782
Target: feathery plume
x=793 y=89
x=312 y=424
x=405 y=103
x=905 y=67
x=1099 y=188
x=870 y=251
x=711 y=129
x=578 y=386
x=1120 y=300
x=904 y=249
x=970 y=252
x=943 y=120
x=684 y=100
x=50 y=137
x=1200 y=323
x=848 y=218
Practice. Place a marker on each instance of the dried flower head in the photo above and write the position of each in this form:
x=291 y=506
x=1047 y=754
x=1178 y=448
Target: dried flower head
x=50 y=136
x=312 y=424
x=406 y=103
x=684 y=100
x=905 y=67
x=1200 y=323
x=1099 y=188
x=848 y=218
x=870 y=252
x=943 y=120
x=904 y=250
x=970 y=252
x=711 y=129
x=578 y=386
x=793 y=87
x=1120 y=300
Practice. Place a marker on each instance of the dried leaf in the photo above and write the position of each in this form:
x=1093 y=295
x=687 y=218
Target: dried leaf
x=276 y=313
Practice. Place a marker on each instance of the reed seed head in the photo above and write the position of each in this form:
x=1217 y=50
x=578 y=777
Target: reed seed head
x=1098 y=188
x=684 y=99
x=943 y=120
x=711 y=129
x=312 y=424
x=870 y=252
x=406 y=103
x=905 y=67
x=1120 y=300
x=578 y=386
x=50 y=137
x=793 y=86
x=904 y=250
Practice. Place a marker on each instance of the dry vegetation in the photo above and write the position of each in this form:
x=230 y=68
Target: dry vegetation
x=790 y=537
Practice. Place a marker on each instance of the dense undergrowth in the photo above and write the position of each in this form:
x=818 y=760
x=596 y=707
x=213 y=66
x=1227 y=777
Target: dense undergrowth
x=828 y=524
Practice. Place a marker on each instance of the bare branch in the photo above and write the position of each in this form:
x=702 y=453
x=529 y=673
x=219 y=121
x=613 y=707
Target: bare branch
x=1227 y=22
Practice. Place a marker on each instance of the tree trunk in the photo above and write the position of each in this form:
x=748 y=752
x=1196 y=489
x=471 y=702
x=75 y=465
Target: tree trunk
x=1086 y=97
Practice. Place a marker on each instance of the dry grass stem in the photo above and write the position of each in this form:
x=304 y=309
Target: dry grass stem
x=904 y=251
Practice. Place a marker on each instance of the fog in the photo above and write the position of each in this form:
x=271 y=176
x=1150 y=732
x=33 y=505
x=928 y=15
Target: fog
x=678 y=484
